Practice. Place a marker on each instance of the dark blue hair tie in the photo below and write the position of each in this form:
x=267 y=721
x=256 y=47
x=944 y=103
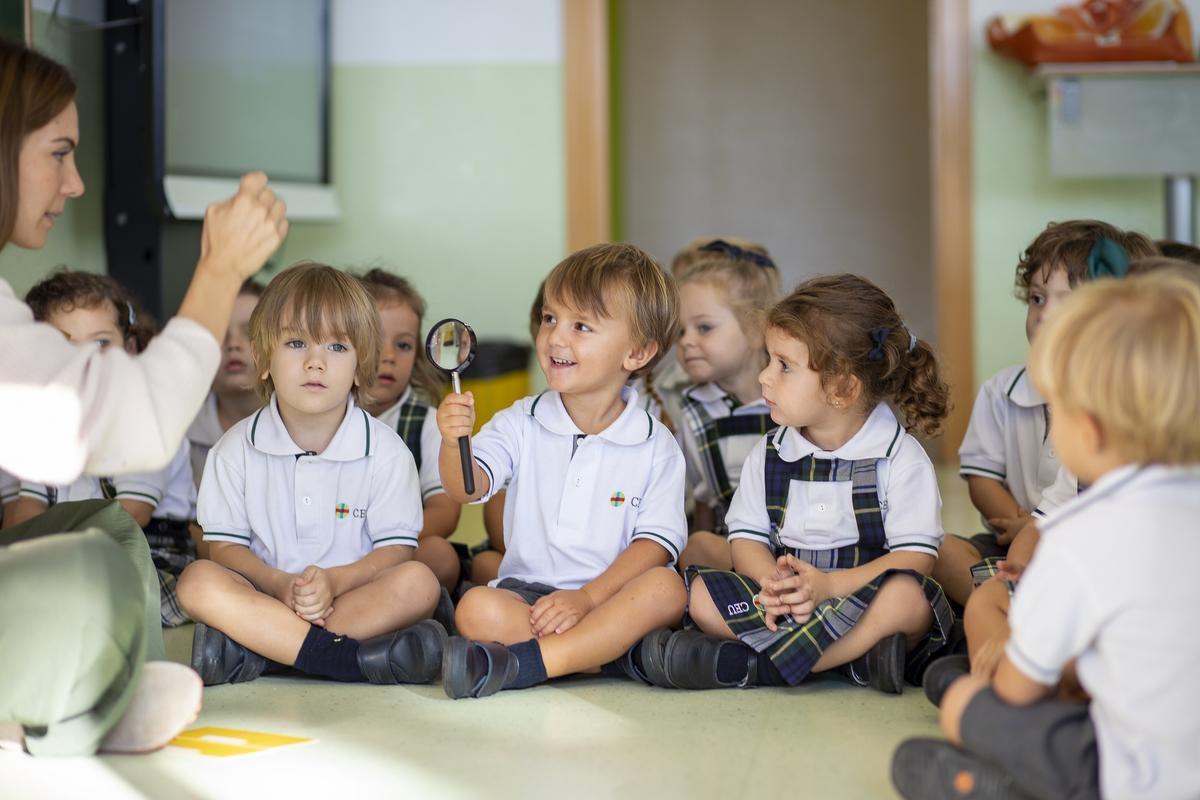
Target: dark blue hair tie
x=1107 y=260
x=878 y=336
x=736 y=253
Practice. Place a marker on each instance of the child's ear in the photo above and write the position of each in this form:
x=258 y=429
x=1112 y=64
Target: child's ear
x=846 y=393
x=1092 y=432
x=640 y=356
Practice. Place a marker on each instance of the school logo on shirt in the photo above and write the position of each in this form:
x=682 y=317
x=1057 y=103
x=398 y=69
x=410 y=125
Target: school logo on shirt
x=617 y=500
x=341 y=511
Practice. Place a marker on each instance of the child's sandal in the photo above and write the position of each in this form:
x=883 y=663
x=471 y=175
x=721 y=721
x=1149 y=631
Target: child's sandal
x=476 y=669
x=219 y=659
x=412 y=655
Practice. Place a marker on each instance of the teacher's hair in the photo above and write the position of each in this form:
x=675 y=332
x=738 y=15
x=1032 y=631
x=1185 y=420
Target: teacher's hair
x=33 y=90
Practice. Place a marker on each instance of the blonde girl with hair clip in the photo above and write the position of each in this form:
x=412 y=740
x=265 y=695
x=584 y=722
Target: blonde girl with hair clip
x=723 y=414
x=405 y=387
x=836 y=523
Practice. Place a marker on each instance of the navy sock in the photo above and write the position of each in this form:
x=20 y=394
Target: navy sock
x=531 y=670
x=768 y=675
x=329 y=656
x=731 y=662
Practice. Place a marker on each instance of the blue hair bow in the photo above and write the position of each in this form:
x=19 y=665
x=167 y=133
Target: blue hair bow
x=1107 y=260
x=738 y=253
x=878 y=336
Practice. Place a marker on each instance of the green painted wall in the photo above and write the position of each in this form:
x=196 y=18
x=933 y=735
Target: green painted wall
x=1015 y=197
x=452 y=175
x=78 y=237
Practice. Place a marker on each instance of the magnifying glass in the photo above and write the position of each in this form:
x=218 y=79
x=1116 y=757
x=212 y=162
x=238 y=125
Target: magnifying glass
x=450 y=346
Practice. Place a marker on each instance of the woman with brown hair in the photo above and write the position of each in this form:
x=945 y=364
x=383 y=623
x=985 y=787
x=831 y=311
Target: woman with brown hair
x=80 y=599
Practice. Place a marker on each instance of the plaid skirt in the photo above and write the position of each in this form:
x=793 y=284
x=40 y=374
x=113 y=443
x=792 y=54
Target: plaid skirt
x=986 y=570
x=795 y=647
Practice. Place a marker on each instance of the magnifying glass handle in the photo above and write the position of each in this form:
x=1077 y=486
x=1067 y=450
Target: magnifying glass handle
x=464 y=448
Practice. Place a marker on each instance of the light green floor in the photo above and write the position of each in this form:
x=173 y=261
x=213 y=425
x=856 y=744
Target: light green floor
x=579 y=738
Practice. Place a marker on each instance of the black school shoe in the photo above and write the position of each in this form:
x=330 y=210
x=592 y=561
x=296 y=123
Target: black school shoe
x=941 y=673
x=411 y=655
x=476 y=669
x=931 y=769
x=689 y=660
x=881 y=667
x=443 y=612
x=219 y=659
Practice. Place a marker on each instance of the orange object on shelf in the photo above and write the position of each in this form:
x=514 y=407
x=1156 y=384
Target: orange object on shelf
x=1097 y=30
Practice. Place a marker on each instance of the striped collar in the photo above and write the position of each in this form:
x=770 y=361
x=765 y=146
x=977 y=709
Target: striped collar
x=712 y=393
x=633 y=426
x=1021 y=391
x=352 y=440
x=879 y=437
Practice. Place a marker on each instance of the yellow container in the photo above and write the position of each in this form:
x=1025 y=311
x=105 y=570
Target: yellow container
x=498 y=377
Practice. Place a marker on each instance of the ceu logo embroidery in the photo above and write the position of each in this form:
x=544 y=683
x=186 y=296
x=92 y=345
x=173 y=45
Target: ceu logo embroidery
x=342 y=510
x=617 y=499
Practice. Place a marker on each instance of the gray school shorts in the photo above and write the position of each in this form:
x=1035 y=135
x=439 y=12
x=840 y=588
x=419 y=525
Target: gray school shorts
x=529 y=592
x=1049 y=748
x=987 y=545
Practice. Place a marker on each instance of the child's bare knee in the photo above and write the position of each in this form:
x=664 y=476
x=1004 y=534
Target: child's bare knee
x=195 y=586
x=478 y=612
x=413 y=584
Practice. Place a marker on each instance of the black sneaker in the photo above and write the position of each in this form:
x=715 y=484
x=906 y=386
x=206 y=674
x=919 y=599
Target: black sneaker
x=931 y=769
x=881 y=667
x=941 y=673
x=219 y=659
x=412 y=655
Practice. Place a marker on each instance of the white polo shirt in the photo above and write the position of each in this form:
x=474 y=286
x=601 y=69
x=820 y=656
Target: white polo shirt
x=820 y=516
x=431 y=444
x=576 y=502
x=170 y=491
x=1008 y=438
x=293 y=509
x=733 y=449
x=1113 y=586
x=1064 y=489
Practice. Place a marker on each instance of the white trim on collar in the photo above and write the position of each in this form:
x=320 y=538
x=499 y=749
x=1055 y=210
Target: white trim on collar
x=1022 y=391
x=352 y=440
x=633 y=426
x=879 y=437
x=712 y=393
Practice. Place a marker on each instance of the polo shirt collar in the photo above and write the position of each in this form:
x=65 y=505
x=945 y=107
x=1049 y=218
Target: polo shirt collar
x=403 y=399
x=1022 y=391
x=633 y=426
x=879 y=437
x=712 y=393
x=352 y=441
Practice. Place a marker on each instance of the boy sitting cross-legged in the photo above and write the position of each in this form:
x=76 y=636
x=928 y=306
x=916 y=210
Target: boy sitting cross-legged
x=312 y=508
x=594 y=512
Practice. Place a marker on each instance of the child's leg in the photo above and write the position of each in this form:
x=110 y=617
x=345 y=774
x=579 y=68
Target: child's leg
x=654 y=599
x=954 y=703
x=705 y=549
x=952 y=570
x=395 y=599
x=438 y=554
x=485 y=567
x=493 y=615
x=986 y=622
x=900 y=606
x=222 y=599
x=704 y=613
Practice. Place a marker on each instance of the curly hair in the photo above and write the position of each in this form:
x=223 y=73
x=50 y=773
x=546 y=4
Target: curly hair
x=1068 y=245
x=65 y=290
x=852 y=330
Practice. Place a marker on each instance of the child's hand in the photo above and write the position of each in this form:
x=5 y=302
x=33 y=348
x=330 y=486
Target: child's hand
x=559 y=612
x=282 y=590
x=1009 y=571
x=456 y=417
x=1007 y=528
x=986 y=660
x=790 y=595
x=313 y=592
x=817 y=581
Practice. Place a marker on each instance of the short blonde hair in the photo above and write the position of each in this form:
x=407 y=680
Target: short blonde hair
x=595 y=277
x=320 y=302
x=1128 y=353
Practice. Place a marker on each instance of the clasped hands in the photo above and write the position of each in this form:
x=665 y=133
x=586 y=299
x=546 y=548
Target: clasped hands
x=796 y=588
